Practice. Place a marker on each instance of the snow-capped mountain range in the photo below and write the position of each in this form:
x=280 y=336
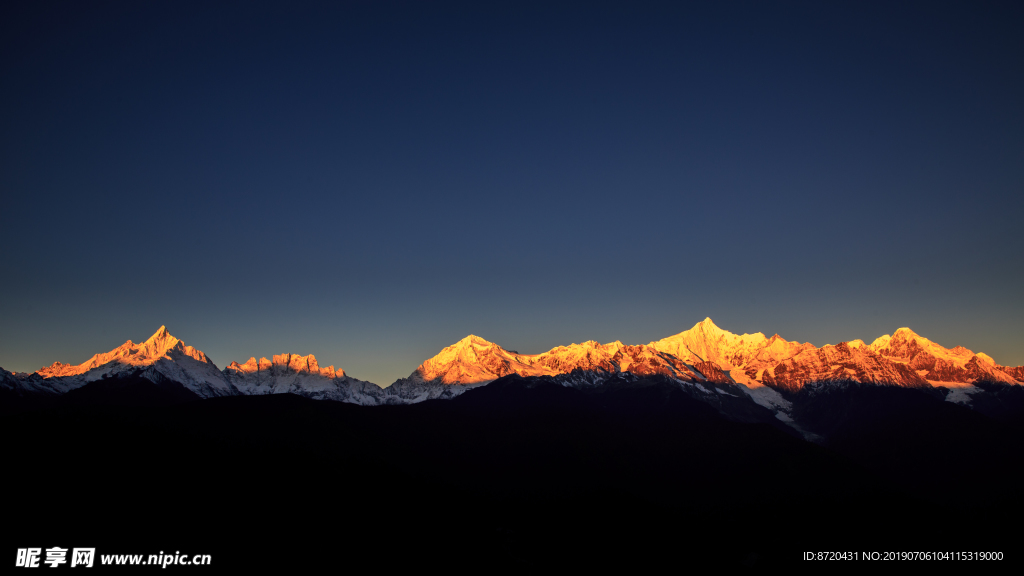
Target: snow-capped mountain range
x=732 y=372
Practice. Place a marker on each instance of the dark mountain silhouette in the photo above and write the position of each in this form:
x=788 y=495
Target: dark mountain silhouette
x=522 y=474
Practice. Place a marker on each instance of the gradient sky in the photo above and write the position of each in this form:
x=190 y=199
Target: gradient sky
x=372 y=182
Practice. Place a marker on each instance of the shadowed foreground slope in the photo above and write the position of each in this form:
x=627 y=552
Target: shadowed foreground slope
x=520 y=474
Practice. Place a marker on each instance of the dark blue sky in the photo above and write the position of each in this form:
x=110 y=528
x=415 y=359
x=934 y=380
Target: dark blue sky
x=373 y=181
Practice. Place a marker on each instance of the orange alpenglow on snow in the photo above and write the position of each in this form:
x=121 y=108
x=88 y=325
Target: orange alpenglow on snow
x=283 y=362
x=474 y=360
x=704 y=353
x=161 y=345
x=709 y=353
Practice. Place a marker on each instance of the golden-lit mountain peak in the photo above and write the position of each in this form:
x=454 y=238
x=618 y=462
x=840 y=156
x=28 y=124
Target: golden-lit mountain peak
x=161 y=345
x=985 y=357
x=158 y=344
x=472 y=360
x=937 y=363
x=707 y=342
x=905 y=333
x=472 y=340
x=707 y=322
x=284 y=363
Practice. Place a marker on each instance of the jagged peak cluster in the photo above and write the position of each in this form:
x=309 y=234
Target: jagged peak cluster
x=704 y=353
x=283 y=362
x=161 y=345
x=748 y=377
x=707 y=352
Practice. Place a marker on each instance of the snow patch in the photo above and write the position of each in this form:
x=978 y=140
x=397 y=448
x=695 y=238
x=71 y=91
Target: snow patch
x=961 y=394
x=767 y=397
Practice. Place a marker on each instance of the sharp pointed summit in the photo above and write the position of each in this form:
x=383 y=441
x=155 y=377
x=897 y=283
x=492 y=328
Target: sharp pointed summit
x=161 y=339
x=161 y=353
x=705 y=357
x=707 y=342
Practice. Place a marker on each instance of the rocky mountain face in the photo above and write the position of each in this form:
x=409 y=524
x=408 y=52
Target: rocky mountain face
x=706 y=353
x=162 y=356
x=840 y=363
x=749 y=377
x=1016 y=373
x=938 y=364
x=474 y=360
x=161 y=345
x=302 y=375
